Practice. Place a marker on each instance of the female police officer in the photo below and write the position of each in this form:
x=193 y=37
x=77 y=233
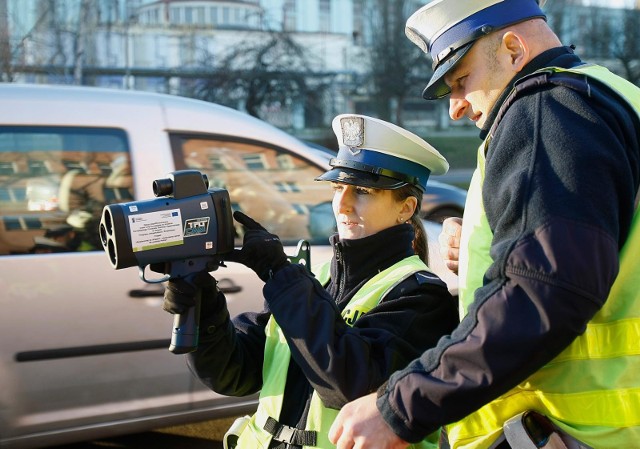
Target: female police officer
x=321 y=342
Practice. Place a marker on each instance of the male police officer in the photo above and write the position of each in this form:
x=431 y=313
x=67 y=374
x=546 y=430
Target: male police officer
x=548 y=348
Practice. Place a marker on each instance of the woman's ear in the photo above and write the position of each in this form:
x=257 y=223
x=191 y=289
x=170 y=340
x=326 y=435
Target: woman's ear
x=517 y=48
x=409 y=206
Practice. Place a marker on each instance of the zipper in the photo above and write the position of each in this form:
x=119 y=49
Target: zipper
x=340 y=270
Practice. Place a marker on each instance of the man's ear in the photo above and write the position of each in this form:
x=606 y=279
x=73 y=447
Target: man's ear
x=517 y=48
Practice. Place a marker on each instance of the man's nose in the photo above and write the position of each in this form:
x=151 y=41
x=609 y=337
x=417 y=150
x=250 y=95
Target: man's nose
x=457 y=108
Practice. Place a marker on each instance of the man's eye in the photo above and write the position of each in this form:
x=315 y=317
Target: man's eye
x=363 y=191
x=337 y=187
x=460 y=81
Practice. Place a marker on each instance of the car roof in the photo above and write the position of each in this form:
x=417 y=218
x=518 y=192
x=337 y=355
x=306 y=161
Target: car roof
x=27 y=104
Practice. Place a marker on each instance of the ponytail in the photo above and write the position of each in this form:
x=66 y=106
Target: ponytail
x=420 y=241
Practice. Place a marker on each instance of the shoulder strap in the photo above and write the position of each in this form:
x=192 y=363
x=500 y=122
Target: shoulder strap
x=578 y=82
x=421 y=277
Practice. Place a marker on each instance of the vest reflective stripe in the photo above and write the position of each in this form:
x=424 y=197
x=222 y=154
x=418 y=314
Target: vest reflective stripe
x=470 y=275
x=278 y=355
x=592 y=389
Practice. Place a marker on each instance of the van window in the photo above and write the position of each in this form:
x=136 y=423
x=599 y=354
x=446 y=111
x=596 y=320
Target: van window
x=54 y=182
x=274 y=187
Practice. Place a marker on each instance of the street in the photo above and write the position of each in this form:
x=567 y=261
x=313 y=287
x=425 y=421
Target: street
x=204 y=435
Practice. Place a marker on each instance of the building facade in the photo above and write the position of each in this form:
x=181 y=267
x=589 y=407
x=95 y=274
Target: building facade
x=327 y=47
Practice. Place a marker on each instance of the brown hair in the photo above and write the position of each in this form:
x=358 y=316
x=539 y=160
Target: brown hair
x=420 y=242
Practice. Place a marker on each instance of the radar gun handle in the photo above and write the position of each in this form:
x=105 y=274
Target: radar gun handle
x=184 y=337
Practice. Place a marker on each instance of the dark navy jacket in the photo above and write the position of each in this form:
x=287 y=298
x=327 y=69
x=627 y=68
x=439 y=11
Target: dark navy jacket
x=562 y=172
x=340 y=362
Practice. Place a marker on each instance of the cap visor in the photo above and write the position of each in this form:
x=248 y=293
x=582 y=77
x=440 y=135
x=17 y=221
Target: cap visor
x=359 y=178
x=437 y=88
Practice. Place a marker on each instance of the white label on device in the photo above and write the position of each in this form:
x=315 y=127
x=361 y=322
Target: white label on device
x=155 y=230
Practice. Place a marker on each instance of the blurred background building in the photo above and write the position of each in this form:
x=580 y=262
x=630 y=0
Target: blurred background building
x=294 y=63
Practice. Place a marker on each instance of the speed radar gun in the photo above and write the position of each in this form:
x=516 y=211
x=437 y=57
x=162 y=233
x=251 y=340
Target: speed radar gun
x=186 y=229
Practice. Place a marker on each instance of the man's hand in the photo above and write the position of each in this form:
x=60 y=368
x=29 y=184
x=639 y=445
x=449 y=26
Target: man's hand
x=449 y=240
x=359 y=425
x=261 y=251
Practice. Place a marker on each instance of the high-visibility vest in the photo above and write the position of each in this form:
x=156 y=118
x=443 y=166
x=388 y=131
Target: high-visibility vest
x=277 y=357
x=601 y=409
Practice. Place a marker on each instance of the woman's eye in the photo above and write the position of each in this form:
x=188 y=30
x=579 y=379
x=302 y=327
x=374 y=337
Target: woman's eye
x=363 y=191
x=337 y=187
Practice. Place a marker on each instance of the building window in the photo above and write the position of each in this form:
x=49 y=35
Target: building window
x=255 y=161
x=200 y=19
x=287 y=186
x=300 y=209
x=325 y=15
x=213 y=11
x=358 y=23
x=174 y=16
x=289 y=15
x=285 y=161
x=239 y=15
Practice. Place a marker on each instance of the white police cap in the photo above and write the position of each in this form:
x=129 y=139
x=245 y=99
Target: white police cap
x=374 y=153
x=446 y=29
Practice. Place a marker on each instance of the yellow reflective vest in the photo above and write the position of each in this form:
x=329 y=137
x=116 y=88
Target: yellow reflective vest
x=277 y=357
x=601 y=409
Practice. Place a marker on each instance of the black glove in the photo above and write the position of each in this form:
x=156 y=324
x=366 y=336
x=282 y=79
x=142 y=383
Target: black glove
x=180 y=294
x=261 y=251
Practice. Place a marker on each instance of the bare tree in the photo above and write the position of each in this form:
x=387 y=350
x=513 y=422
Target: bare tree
x=6 y=67
x=257 y=73
x=608 y=35
x=626 y=45
x=397 y=65
x=556 y=11
x=80 y=38
x=61 y=38
x=12 y=45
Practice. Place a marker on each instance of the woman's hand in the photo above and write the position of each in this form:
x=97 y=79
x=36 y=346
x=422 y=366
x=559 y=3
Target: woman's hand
x=261 y=251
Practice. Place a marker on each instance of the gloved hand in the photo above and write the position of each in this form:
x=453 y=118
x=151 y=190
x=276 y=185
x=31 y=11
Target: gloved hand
x=261 y=251
x=180 y=294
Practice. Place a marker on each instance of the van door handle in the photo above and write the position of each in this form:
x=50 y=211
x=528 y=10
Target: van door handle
x=146 y=292
x=226 y=285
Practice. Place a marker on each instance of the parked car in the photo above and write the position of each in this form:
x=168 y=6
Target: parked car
x=84 y=347
x=442 y=200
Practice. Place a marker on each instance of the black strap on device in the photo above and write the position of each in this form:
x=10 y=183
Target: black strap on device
x=290 y=435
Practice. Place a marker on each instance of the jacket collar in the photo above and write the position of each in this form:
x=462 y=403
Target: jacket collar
x=356 y=261
x=556 y=57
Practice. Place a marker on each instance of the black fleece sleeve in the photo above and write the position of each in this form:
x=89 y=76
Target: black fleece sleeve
x=558 y=195
x=230 y=352
x=341 y=362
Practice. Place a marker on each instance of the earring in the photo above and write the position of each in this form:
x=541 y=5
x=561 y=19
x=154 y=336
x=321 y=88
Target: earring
x=401 y=220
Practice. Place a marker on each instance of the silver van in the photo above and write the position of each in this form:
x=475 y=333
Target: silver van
x=84 y=348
